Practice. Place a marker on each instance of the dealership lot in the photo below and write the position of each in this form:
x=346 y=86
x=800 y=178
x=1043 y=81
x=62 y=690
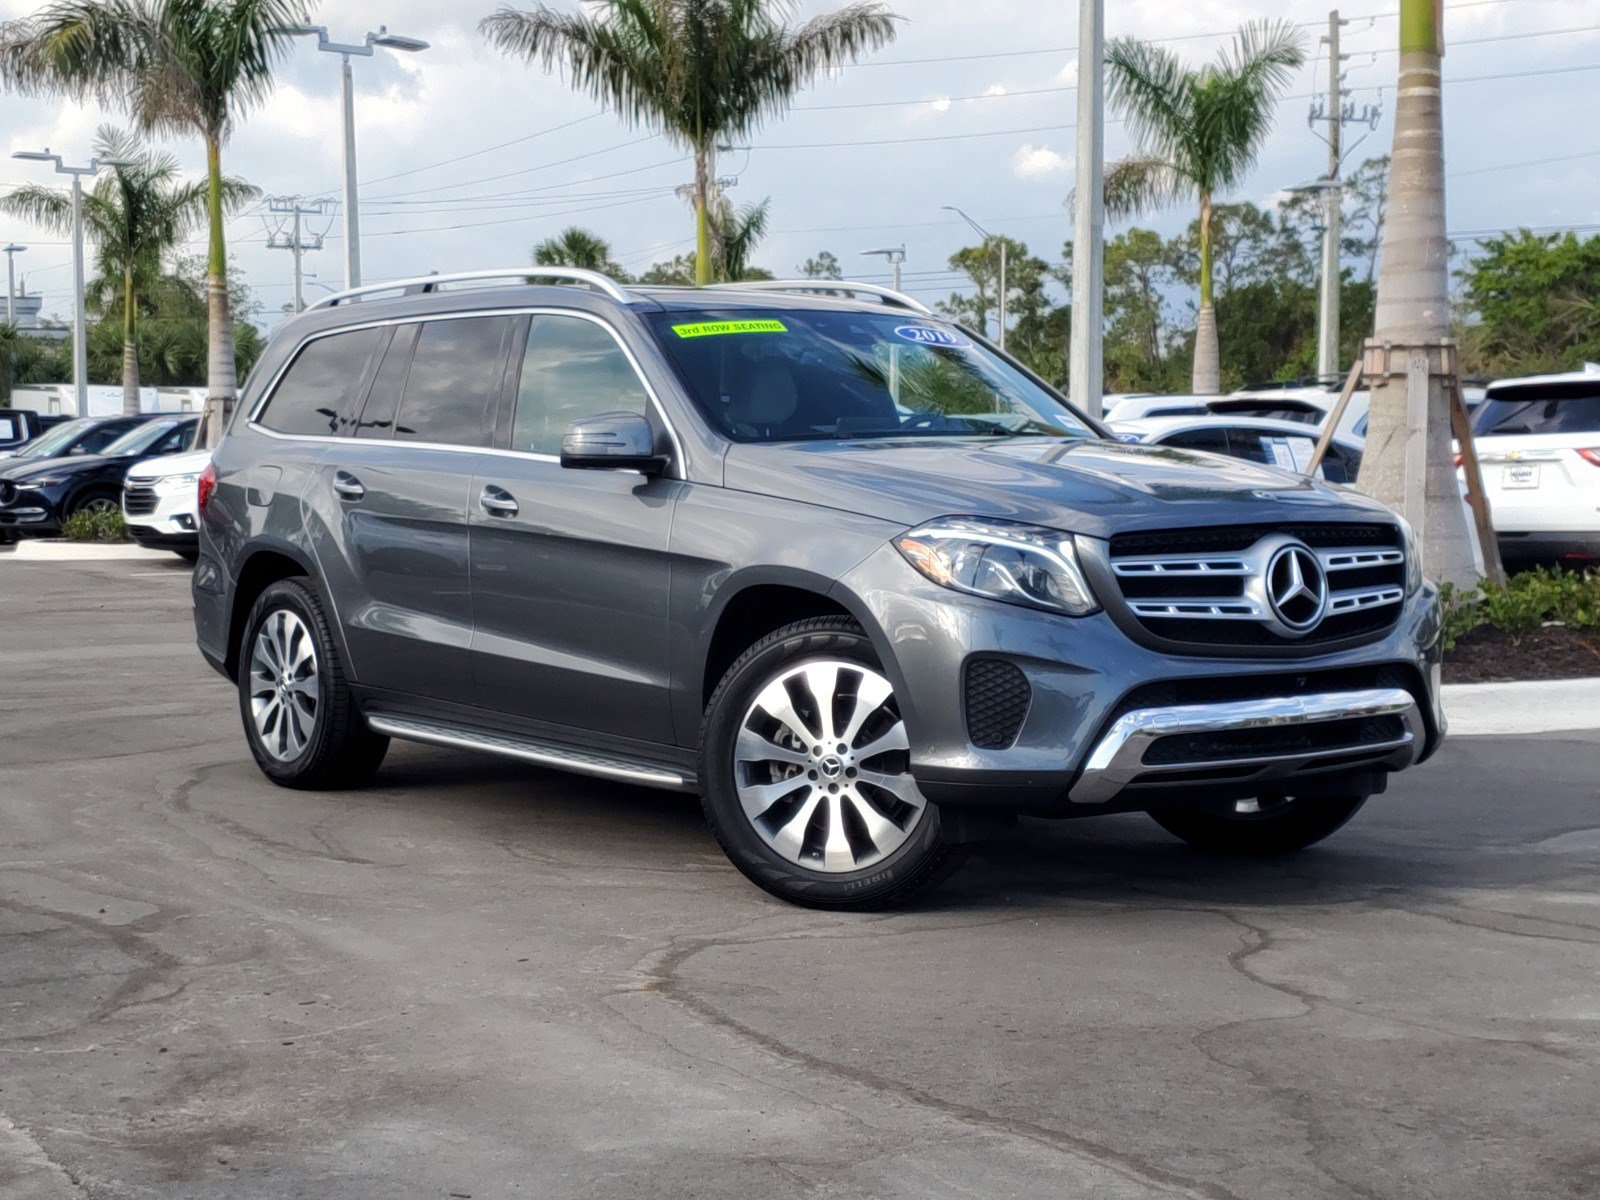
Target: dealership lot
x=480 y=979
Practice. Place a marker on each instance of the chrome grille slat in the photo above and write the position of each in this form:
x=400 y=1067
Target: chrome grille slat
x=1197 y=609
x=1169 y=566
x=1341 y=602
x=1355 y=560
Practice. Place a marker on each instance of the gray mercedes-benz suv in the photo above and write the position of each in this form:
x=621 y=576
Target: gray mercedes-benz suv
x=856 y=577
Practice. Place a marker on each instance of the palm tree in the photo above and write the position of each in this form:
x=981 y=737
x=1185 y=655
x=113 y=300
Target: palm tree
x=135 y=215
x=1198 y=132
x=735 y=232
x=178 y=66
x=699 y=71
x=578 y=247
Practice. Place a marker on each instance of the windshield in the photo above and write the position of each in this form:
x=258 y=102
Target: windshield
x=799 y=375
x=140 y=438
x=50 y=444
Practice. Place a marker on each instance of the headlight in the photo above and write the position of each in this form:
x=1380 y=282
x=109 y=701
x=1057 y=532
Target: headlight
x=1413 y=553
x=44 y=481
x=1019 y=564
x=171 y=485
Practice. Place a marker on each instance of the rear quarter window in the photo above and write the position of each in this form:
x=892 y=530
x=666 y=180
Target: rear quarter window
x=318 y=394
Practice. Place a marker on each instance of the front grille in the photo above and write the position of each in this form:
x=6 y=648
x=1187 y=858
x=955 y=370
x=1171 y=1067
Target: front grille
x=139 y=499
x=997 y=700
x=1211 y=586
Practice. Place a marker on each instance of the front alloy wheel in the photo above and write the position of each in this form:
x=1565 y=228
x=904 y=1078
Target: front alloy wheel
x=805 y=773
x=284 y=692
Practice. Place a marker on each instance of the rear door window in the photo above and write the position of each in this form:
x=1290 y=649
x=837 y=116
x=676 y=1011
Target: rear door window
x=572 y=369
x=383 y=401
x=317 y=396
x=453 y=386
x=1543 y=410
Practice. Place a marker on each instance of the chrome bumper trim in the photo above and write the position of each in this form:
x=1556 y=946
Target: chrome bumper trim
x=1117 y=761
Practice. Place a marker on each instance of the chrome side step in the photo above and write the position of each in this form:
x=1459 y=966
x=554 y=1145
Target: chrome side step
x=564 y=758
x=1117 y=761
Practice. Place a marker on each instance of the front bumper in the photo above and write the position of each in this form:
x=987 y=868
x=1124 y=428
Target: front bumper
x=1093 y=694
x=27 y=510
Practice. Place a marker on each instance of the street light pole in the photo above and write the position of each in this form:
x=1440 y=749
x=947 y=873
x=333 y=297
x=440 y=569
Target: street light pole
x=1329 y=367
x=1086 y=368
x=11 y=253
x=80 y=324
x=895 y=256
x=347 y=91
x=988 y=237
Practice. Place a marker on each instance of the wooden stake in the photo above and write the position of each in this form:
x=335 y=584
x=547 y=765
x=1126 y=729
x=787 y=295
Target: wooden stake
x=1351 y=383
x=1461 y=426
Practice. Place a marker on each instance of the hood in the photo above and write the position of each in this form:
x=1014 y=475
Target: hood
x=190 y=462
x=55 y=468
x=1091 y=487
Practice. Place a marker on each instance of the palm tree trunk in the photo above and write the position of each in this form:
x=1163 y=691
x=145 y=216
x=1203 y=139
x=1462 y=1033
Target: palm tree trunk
x=130 y=347
x=703 y=266
x=221 y=379
x=1413 y=310
x=1207 y=352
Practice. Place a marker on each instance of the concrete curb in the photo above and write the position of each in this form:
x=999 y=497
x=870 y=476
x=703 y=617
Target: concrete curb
x=56 y=550
x=1512 y=709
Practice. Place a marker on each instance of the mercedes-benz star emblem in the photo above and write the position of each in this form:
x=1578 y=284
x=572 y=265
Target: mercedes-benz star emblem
x=1297 y=588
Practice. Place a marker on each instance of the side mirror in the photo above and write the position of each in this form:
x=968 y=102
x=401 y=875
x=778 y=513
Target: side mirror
x=613 y=441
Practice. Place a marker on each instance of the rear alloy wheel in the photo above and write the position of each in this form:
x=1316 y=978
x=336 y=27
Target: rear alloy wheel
x=1261 y=827
x=806 y=773
x=95 y=505
x=299 y=714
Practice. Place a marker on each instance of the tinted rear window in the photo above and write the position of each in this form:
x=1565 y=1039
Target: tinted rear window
x=1554 y=408
x=454 y=382
x=320 y=389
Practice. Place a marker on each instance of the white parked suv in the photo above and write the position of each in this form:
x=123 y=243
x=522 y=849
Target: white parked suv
x=1538 y=440
x=160 y=502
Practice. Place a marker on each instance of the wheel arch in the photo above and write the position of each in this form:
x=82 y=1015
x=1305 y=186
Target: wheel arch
x=259 y=571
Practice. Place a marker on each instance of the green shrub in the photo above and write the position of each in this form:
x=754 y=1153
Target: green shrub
x=1461 y=613
x=95 y=527
x=1578 y=601
x=1520 y=606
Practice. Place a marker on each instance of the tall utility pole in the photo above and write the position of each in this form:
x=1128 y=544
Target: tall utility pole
x=1328 y=366
x=80 y=324
x=1004 y=283
x=352 y=202
x=1086 y=365
x=294 y=239
x=11 y=252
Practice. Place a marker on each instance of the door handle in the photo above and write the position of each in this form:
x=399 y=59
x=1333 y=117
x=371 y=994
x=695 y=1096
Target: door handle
x=348 y=486
x=498 y=502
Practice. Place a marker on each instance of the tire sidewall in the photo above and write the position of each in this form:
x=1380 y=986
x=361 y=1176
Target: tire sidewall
x=296 y=598
x=739 y=840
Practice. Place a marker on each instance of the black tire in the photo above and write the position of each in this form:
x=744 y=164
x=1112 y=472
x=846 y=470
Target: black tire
x=189 y=556
x=1295 y=825
x=103 y=501
x=341 y=751
x=922 y=861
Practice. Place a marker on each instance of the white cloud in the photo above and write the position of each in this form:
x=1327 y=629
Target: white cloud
x=1037 y=162
x=994 y=89
x=942 y=104
x=1068 y=75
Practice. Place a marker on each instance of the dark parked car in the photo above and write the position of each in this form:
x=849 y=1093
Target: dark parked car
x=861 y=581
x=79 y=466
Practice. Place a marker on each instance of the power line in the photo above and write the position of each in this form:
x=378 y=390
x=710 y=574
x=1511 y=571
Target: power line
x=513 y=174
x=478 y=153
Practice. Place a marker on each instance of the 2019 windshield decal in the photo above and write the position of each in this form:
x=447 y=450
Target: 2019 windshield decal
x=927 y=335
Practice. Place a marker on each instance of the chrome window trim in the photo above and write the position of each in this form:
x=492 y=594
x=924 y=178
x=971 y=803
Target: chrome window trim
x=253 y=422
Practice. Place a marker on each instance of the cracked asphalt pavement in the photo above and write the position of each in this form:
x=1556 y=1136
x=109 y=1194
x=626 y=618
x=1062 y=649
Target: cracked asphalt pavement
x=480 y=979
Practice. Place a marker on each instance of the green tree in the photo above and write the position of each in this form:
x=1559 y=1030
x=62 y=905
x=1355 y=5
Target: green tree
x=135 y=215
x=701 y=72
x=1140 y=267
x=1366 y=203
x=824 y=266
x=576 y=247
x=1533 y=302
x=1026 y=279
x=177 y=66
x=735 y=233
x=1199 y=131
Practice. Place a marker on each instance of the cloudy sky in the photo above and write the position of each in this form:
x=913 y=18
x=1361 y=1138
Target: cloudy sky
x=467 y=158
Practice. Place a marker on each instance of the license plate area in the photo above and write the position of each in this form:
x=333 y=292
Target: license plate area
x=1520 y=475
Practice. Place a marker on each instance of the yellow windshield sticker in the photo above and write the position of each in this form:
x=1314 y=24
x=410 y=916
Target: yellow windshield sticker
x=720 y=328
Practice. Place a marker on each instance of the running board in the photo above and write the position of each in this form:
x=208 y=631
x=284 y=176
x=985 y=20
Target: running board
x=585 y=762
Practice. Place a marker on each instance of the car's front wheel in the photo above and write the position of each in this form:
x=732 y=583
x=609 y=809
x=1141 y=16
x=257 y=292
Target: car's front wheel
x=805 y=774
x=299 y=715
x=1260 y=827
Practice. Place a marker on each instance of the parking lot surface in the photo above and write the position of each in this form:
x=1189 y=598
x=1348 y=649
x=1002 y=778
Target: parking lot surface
x=480 y=979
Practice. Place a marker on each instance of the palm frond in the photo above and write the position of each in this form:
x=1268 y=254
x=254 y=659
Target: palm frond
x=41 y=206
x=1141 y=183
x=1234 y=103
x=84 y=49
x=1152 y=91
x=603 y=58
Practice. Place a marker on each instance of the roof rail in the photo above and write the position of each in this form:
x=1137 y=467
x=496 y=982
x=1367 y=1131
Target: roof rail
x=427 y=283
x=889 y=296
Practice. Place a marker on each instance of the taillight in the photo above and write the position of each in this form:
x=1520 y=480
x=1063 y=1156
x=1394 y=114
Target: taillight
x=1592 y=457
x=1458 y=460
x=207 y=487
